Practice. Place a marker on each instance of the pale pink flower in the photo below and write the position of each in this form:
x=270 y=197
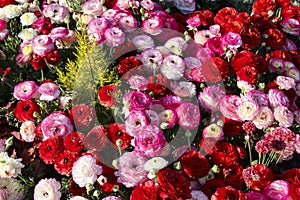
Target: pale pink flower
x=210 y=96
x=285 y=82
x=128 y=23
x=114 y=36
x=264 y=118
x=278 y=189
x=202 y=36
x=47 y=189
x=26 y=90
x=57 y=13
x=142 y=42
x=152 y=59
x=278 y=98
x=49 y=91
x=213 y=131
x=27 y=131
x=257 y=96
x=228 y=106
x=184 y=89
x=42 y=45
x=190 y=64
x=284 y=116
x=138 y=82
x=173 y=67
x=152 y=25
x=232 y=40
x=97 y=25
x=147 y=4
x=135 y=121
x=92 y=7
x=85 y=170
x=247 y=110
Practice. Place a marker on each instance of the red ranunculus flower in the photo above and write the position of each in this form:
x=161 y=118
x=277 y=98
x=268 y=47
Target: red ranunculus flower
x=111 y=180
x=157 y=90
x=107 y=95
x=50 y=149
x=110 y=4
x=292 y=175
x=194 y=164
x=159 y=79
x=206 y=17
x=291 y=11
x=75 y=189
x=73 y=142
x=275 y=38
x=225 y=15
x=37 y=62
x=82 y=116
x=294 y=190
x=228 y=193
x=295 y=57
x=283 y=3
x=251 y=38
x=96 y=139
x=232 y=26
x=279 y=54
x=127 y=64
x=248 y=74
x=222 y=66
x=233 y=175
x=25 y=110
x=53 y=57
x=224 y=154
x=64 y=162
x=174 y=184
x=4 y=3
x=210 y=186
x=210 y=71
x=243 y=17
x=43 y=25
x=147 y=191
x=264 y=7
x=117 y=131
x=232 y=128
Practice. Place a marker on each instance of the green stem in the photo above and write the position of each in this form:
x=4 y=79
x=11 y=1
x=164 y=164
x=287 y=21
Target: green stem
x=250 y=154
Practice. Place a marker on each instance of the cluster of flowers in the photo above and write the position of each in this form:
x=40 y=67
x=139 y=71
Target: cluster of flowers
x=184 y=104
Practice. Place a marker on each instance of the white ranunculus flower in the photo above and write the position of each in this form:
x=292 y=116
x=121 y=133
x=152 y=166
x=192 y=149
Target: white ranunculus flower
x=12 y=11
x=47 y=189
x=9 y=167
x=27 y=34
x=27 y=131
x=28 y=18
x=155 y=163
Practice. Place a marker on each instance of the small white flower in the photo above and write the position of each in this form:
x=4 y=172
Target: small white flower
x=27 y=131
x=27 y=34
x=9 y=167
x=47 y=189
x=28 y=18
x=12 y=11
x=156 y=163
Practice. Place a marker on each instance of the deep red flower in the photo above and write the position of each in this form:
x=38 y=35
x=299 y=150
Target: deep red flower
x=50 y=149
x=225 y=15
x=295 y=57
x=291 y=11
x=43 y=25
x=194 y=164
x=76 y=189
x=251 y=38
x=107 y=95
x=232 y=175
x=292 y=175
x=224 y=154
x=206 y=17
x=264 y=7
x=248 y=74
x=243 y=17
x=279 y=54
x=127 y=64
x=232 y=26
x=82 y=116
x=210 y=186
x=207 y=144
x=157 y=90
x=159 y=79
x=232 y=128
x=222 y=66
x=174 y=184
x=37 y=62
x=228 y=193
x=96 y=139
x=110 y=4
x=53 y=57
x=283 y=3
x=275 y=38
x=144 y=192
x=64 y=162
x=294 y=190
x=26 y=109
x=116 y=132
x=38 y=131
x=4 y=3
x=73 y=142
x=111 y=180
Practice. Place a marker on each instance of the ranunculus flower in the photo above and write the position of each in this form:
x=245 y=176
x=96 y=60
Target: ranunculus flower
x=82 y=116
x=27 y=131
x=191 y=63
x=85 y=170
x=96 y=139
x=149 y=141
x=278 y=98
x=57 y=13
x=285 y=82
x=111 y=198
x=232 y=40
x=56 y=124
x=98 y=25
x=43 y=25
x=247 y=110
x=42 y=44
x=174 y=184
x=63 y=162
x=50 y=149
x=138 y=82
x=107 y=95
x=228 y=106
x=135 y=121
x=9 y=167
x=224 y=154
x=128 y=23
x=188 y=115
x=114 y=36
x=173 y=67
x=73 y=142
x=291 y=26
x=92 y=7
x=257 y=96
x=228 y=192
x=152 y=59
x=47 y=189
x=278 y=189
x=264 y=118
x=27 y=110
x=117 y=132
x=210 y=96
x=142 y=42
x=185 y=6
x=171 y=102
x=284 y=116
x=26 y=90
x=194 y=164
x=168 y=119
x=152 y=25
x=49 y=91
x=138 y=100
x=213 y=131
x=28 y=18
x=193 y=21
x=131 y=170
x=184 y=89
x=148 y=191
x=37 y=62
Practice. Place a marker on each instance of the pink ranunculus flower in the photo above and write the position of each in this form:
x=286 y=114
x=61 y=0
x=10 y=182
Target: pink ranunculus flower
x=202 y=36
x=152 y=25
x=97 y=25
x=176 y=45
x=56 y=124
x=142 y=42
x=247 y=110
x=57 y=13
x=92 y=7
x=293 y=73
x=185 y=6
x=278 y=189
x=215 y=45
x=42 y=45
x=58 y=33
x=135 y=121
x=276 y=65
x=184 y=89
x=291 y=26
x=213 y=131
x=210 y=96
x=128 y=23
x=232 y=40
x=285 y=82
x=149 y=141
x=26 y=90
x=193 y=22
x=173 y=67
x=171 y=102
x=284 y=116
x=257 y=96
x=131 y=170
x=27 y=131
x=168 y=119
x=138 y=82
x=228 y=106
x=49 y=91
x=147 y=4
x=190 y=64
x=278 y=98
x=152 y=59
x=139 y=100
x=255 y=196
x=264 y=118
x=188 y=115
x=114 y=36
x=153 y=117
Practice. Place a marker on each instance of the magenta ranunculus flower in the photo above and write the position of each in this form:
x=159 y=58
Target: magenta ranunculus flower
x=57 y=13
x=278 y=189
x=138 y=82
x=114 y=36
x=139 y=101
x=152 y=59
x=278 y=98
x=152 y=25
x=149 y=141
x=56 y=124
x=92 y=7
x=131 y=170
x=135 y=121
x=128 y=23
x=188 y=115
x=232 y=40
x=284 y=116
x=291 y=26
x=42 y=45
x=276 y=65
x=255 y=196
x=228 y=106
x=264 y=118
x=26 y=90
x=97 y=25
x=168 y=119
x=193 y=21
x=210 y=96
x=49 y=91
x=171 y=102
x=173 y=67
x=247 y=110
x=190 y=64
